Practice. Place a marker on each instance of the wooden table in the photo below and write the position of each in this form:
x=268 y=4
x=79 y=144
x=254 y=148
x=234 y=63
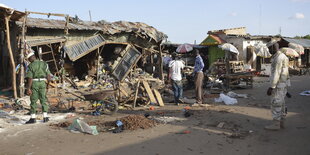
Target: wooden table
x=235 y=80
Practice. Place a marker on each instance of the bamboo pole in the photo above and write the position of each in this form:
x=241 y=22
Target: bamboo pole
x=7 y=19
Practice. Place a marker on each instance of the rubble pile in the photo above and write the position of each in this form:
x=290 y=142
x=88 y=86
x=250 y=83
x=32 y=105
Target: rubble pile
x=131 y=122
x=134 y=122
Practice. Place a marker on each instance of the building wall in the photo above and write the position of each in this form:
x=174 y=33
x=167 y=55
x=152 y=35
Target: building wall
x=238 y=43
x=215 y=53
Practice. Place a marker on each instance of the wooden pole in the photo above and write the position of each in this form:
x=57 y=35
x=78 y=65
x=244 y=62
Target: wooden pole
x=22 y=52
x=7 y=19
x=98 y=60
x=98 y=63
x=67 y=25
x=161 y=67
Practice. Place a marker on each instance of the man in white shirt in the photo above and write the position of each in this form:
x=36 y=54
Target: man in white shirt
x=279 y=80
x=175 y=74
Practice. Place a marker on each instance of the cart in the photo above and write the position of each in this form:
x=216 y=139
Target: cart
x=104 y=101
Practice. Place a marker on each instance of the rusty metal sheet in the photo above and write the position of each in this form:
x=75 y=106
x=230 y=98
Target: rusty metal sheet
x=82 y=48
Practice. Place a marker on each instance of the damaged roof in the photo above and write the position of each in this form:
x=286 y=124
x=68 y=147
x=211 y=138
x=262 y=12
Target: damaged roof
x=303 y=42
x=56 y=24
x=141 y=29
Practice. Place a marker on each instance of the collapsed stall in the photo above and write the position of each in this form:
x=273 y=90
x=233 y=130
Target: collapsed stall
x=125 y=56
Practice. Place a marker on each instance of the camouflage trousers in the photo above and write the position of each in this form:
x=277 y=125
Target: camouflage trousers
x=278 y=103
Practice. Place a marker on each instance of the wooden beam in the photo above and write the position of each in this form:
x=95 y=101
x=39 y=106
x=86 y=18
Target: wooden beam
x=136 y=95
x=53 y=55
x=149 y=92
x=159 y=98
x=7 y=19
x=48 y=14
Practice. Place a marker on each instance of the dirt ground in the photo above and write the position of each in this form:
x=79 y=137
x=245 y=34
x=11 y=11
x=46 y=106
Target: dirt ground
x=241 y=131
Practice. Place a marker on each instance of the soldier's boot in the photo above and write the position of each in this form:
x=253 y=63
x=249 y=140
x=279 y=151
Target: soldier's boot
x=31 y=121
x=274 y=126
x=45 y=119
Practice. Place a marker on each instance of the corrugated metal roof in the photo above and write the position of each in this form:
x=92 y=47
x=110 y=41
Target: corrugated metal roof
x=80 y=49
x=57 y=24
x=303 y=42
x=140 y=29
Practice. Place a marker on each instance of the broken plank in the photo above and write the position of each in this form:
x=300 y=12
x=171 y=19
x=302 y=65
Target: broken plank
x=53 y=85
x=123 y=91
x=159 y=98
x=149 y=91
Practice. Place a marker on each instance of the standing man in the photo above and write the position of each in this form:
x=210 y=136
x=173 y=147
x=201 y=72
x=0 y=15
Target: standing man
x=38 y=76
x=198 y=72
x=279 y=79
x=175 y=74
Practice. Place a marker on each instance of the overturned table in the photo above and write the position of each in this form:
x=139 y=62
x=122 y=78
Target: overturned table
x=240 y=80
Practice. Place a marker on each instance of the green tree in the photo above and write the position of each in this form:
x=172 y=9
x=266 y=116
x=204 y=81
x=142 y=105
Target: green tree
x=303 y=37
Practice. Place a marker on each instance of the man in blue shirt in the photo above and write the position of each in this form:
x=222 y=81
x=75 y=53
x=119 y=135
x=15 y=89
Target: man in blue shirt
x=198 y=71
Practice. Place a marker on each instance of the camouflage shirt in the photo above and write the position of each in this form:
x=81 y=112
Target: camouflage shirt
x=38 y=69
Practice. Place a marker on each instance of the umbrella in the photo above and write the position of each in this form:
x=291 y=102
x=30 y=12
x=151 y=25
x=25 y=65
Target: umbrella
x=289 y=52
x=298 y=48
x=184 y=48
x=229 y=47
x=262 y=50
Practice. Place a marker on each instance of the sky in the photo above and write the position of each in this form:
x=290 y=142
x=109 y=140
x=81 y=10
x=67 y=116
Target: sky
x=186 y=21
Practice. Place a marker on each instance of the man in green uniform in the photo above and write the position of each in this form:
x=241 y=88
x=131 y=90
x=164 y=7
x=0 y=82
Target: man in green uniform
x=38 y=76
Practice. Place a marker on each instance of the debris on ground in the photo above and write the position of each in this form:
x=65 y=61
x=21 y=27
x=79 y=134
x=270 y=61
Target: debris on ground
x=305 y=93
x=65 y=124
x=226 y=99
x=184 y=132
x=221 y=125
x=134 y=122
x=167 y=119
x=235 y=95
x=239 y=135
x=131 y=122
x=81 y=126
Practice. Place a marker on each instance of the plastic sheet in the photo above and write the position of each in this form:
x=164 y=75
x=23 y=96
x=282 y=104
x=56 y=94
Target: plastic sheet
x=226 y=99
x=81 y=126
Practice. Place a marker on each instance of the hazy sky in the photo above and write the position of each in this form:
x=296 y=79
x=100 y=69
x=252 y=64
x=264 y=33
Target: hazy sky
x=187 y=20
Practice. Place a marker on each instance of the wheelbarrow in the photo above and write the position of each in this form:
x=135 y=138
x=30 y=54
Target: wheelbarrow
x=104 y=101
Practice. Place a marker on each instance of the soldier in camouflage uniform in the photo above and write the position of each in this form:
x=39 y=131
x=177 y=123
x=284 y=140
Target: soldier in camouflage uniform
x=279 y=79
x=38 y=76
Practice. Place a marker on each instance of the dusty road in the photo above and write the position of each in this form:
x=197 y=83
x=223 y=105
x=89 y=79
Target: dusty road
x=242 y=133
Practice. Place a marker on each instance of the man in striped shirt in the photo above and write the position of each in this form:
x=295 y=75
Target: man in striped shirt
x=198 y=72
